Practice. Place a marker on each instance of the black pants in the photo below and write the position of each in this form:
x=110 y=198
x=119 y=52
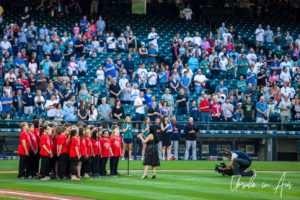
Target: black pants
x=103 y=162
x=45 y=166
x=31 y=164
x=95 y=164
x=23 y=166
x=36 y=163
x=86 y=165
x=62 y=165
x=73 y=165
x=240 y=165
x=114 y=165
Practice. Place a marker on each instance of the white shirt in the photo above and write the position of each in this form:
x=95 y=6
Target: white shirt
x=153 y=78
x=286 y=77
x=225 y=37
x=113 y=44
x=251 y=57
x=93 y=116
x=100 y=75
x=52 y=111
x=33 y=67
x=151 y=36
x=197 y=40
x=285 y=91
x=142 y=73
x=187 y=13
x=223 y=64
x=5 y=46
x=122 y=83
x=287 y=65
x=187 y=39
x=134 y=94
x=285 y=104
x=234 y=156
x=189 y=74
x=139 y=101
x=259 y=33
x=201 y=78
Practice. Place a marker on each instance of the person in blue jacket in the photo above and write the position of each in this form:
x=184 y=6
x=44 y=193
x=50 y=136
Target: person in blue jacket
x=240 y=162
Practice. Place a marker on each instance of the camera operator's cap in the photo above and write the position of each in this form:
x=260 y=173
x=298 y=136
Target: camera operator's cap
x=227 y=153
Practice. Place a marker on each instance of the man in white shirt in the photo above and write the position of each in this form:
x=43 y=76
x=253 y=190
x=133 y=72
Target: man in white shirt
x=187 y=12
x=142 y=73
x=187 y=38
x=225 y=37
x=5 y=45
x=123 y=81
x=139 y=106
x=50 y=107
x=197 y=39
x=111 y=41
x=251 y=57
x=287 y=64
x=152 y=78
x=259 y=35
x=153 y=38
x=285 y=76
x=199 y=81
x=285 y=91
x=223 y=63
x=285 y=109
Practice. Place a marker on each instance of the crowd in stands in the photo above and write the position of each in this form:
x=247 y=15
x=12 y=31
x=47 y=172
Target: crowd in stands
x=42 y=67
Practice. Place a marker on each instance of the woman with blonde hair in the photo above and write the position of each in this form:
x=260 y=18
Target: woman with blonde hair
x=127 y=137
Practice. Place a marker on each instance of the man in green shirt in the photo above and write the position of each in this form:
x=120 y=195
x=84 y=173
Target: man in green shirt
x=241 y=84
x=248 y=110
x=279 y=54
x=169 y=98
x=239 y=44
x=243 y=66
x=204 y=66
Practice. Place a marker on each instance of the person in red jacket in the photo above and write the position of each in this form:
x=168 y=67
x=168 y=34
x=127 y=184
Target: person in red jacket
x=46 y=152
x=62 y=153
x=86 y=167
x=33 y=151
x=106 y=152
x=83 y=153
x=96 y=153
x=74 y=153
x=23 y=151
x=116 y=144
x=36 y=160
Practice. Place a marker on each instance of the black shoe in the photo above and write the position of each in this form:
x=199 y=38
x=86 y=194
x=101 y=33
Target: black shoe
x=143 y=177
x=153 y=176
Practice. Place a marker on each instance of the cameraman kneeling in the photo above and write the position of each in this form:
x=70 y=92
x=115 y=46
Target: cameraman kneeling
x=240 y=162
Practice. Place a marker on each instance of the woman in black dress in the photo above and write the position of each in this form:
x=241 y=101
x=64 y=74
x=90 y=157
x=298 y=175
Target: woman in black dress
x=151 y=155
x=166 y=129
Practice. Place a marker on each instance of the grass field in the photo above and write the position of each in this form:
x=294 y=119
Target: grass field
x=169 y=184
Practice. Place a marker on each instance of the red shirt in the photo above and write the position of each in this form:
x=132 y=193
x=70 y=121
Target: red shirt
x=45 y=140
x=105 y=147
x=116 y=144
x=62 y=140
x=25 y=83
x=55 y=144
x=82 y=147
x=74 y=143
x=88 y=144
x=204 y=103
x=36 y=131
x=216 y=109
x=96 y=147
x=33 y=141
x=24 y=136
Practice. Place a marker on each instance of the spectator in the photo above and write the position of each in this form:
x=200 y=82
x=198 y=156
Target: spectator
x=153 y=40
x=175 y=137
x=6 y=104
x=215 y=68
x=162 y=75
x=248 y=111
x=152 y=78
x=152 y=54
x=104 y=110
x=242 y=85
x=112 y=42
x=139 y=106
x=7 y=88
x=82 y=67
x=174 y=84
x=143 y=52
x=194 y=112
x=199 y=82
x=164 y=110
x=18 y=105
x=153 y=112
x=285 y=109
x=92 y=113
x=56 y=56
x=83 y=93
x=132 y=43
x=59 y=114
x=216 y=110
x=82 y=112
x=126 y=94
x=228 y=110
x=28 y=101
x=68 y=111
x=259 y=36
x=251 y=76
x=182 y=101
x=191 y=132
x=50 y=107
x=204 y=108
x=262 y=77
x=187 y=13
x=262 y=110
x=114 y=91
x=39 y=102
x=118 y=111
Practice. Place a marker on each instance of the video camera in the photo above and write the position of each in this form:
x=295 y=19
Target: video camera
x=227 y=172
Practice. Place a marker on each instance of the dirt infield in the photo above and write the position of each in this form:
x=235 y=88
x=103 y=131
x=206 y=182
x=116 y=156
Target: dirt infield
x=35 y=195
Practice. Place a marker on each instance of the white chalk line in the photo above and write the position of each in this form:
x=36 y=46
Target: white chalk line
x=32 y=195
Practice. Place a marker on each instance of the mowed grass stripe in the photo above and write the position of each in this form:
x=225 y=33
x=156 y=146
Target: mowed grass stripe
x=185 y=186
x=12 y=165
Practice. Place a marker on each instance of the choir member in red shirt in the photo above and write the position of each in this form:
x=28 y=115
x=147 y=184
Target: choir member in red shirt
x=106 y=152
x=33 y=151
x=74 y=153
x=62 y=153
x=23 y=151
x=116 y=144
x=96 y=153
x=46 y=152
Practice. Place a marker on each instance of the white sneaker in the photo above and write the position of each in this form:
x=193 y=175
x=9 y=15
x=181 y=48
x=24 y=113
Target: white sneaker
x=254 y=172
x=235 y=176
x=131 y=159
x=122 y=159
